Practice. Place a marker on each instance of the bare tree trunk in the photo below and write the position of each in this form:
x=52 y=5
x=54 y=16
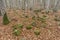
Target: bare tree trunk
x=56 y=4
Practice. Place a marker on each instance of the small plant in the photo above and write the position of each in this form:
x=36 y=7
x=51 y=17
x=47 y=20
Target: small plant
x=37 y=32
x=43 y=19
x=20 y=26
x=38 y=18
x=57 y=18
x=37 y=10
x=33 y=17
x=44 y=16
x=47 y=12
x=44 y=25
x=29 y=27
x=26 y=16
x=16 y=32
x=16 y=29
x=5 y=19
x=33 y=23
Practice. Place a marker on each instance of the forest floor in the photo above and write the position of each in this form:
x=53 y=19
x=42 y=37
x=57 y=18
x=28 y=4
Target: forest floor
x=50 y=32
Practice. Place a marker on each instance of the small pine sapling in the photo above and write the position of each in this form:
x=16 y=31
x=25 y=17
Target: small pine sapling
x=5 y=19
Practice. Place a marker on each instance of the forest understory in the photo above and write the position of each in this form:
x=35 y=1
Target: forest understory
x=31 y=25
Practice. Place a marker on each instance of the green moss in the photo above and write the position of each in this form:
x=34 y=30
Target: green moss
x=5 y=19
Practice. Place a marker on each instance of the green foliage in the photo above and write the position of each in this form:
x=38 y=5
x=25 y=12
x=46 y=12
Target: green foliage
x=18 y=26
x=43 y=18
x=5 y=19
x=57 y=18
x=33 y=23
x=37 y=11
x=37 y=32
x=47 y=12
x=43 y=25
x=29 y=27
x=16 y=29
x=16 y=32
x=26 y=16
x=33 y=17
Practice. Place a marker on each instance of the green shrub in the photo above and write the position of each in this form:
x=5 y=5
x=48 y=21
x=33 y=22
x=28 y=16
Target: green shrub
x=5 y=19
x=37 y=32
x=29 y=27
